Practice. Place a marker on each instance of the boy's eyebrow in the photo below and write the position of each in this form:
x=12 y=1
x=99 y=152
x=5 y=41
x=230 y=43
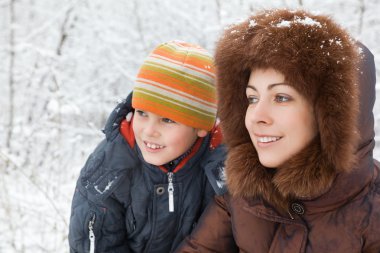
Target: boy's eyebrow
x=270 y=86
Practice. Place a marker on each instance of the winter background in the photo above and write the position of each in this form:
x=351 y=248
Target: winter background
x=64 y=66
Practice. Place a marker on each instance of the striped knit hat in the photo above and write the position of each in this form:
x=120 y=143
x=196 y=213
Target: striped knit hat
x=176 y=81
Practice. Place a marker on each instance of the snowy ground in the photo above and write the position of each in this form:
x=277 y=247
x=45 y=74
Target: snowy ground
x=66 y=63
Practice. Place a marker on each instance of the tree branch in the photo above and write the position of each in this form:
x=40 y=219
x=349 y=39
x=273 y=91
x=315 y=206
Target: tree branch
x=10 y=73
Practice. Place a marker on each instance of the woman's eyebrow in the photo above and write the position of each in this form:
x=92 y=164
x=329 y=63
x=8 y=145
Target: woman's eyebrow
x=251 y=87
x=270 y=86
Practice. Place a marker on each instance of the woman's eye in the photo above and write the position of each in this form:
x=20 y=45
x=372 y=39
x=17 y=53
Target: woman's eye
x=282 y=98
x=141 y=113
x=166 y=120
x=252 y=99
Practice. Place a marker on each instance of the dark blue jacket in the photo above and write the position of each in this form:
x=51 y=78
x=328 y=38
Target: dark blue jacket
x=121 y=201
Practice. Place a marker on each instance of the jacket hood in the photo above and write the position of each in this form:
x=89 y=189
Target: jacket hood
x=318 y=59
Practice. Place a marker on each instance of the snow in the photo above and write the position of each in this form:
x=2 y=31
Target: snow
x=73 y=60
x=307 y=21
x=252 y=23
x=108 y=186
x=360 y=51
x=284 y=23
x=220 y=177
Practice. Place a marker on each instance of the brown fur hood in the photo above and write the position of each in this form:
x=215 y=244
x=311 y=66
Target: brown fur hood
x=319 y=59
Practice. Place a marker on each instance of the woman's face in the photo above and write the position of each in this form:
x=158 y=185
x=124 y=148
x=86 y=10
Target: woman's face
x=280 y=121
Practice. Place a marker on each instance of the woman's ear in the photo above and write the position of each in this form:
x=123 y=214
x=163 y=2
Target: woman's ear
x=201 y=133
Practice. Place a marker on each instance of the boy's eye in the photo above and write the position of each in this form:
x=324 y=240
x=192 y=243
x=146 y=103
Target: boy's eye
x=252 y=99
x=141 y=113
x=166 y=120
x=282 y=98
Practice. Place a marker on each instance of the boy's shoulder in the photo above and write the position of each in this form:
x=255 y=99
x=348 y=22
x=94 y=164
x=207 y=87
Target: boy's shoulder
x=111 y=162
x=112 y=159
x=213 y=161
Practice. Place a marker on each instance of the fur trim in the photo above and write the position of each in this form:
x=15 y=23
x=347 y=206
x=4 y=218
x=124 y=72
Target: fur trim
x=318 y=59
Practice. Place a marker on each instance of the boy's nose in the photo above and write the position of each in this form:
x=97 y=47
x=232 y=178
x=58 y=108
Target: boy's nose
x=151 y=129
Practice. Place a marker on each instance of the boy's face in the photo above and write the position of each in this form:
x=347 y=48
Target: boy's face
x=160 y=139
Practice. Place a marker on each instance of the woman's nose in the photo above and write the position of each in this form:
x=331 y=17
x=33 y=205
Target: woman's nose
x=259 y=113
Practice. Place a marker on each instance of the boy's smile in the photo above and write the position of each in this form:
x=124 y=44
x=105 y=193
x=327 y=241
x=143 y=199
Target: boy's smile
x=160 y=139
x=153 y=146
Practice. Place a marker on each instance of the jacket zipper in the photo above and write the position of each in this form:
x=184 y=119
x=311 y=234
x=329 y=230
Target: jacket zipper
x=171 y=191
x=91 y=234
x=170 y=176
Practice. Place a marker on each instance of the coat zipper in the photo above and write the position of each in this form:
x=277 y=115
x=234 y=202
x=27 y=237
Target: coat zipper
x=91 y=234
x=171 y=191
x=170 y=176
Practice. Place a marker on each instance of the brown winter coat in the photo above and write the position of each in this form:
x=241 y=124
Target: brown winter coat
x=327 y=198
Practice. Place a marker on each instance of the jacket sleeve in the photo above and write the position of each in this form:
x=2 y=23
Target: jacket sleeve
x=371 y=235
x=108 y=226
x=213 y=232
x=105 y=219
x=81 y=212
x=94 y=201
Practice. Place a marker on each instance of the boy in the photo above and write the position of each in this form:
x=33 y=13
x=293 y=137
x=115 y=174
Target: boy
x=145 y=186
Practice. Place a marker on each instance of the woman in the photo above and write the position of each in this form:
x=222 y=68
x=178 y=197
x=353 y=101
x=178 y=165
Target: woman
x=300 y=171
